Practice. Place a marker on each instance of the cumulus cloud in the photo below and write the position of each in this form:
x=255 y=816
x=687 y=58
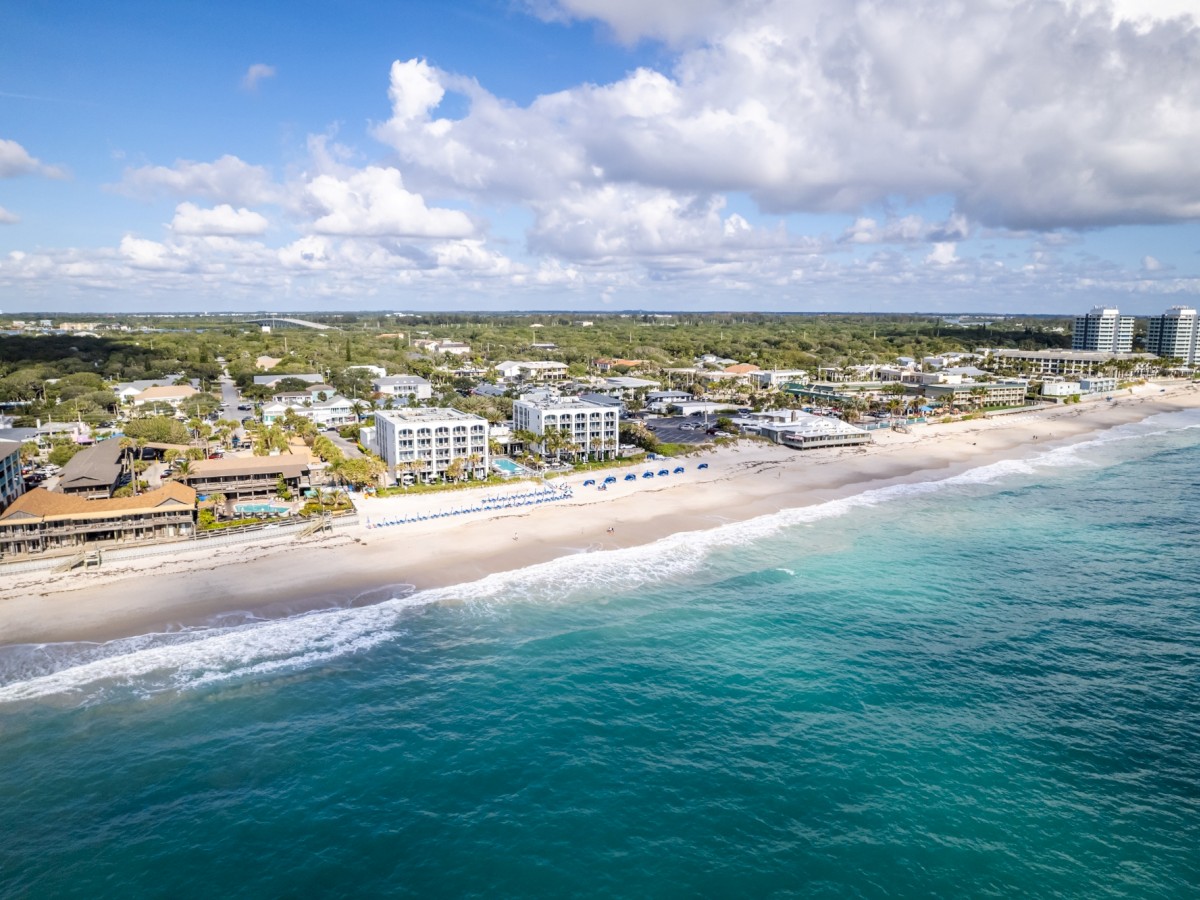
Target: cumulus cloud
x=15 y=160
x=222 y=219
x=373 y=202
x=227 y=180
x=8 y=218
x=906 y=230
x=256 y=73
x=1027 y=113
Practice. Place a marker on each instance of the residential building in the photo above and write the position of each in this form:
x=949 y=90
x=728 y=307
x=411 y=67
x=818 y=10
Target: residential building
x=1073 y=362
x=979 y=393
x=589 y=427
x=41 y=520
x=272 y=380
x=335 y=410
x=1057 y=387
x=372 y=371
x=443 y=345
x=1104 y=328
x=170 y=395
x=511 y=371
x=412 y=386
x=95 y=471
x=607 y=364
x=625 y=387
x=12 y=484
x=1175 y=334
x=127 y=390
x=773 y=378
x=244 y=477
x=425 y=442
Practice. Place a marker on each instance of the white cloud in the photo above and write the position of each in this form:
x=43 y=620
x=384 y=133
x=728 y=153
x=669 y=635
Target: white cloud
x=227 y=180
x=15 y=160
x=8 y=218
x=220 y=220
x=905 y=230
x=1026 y=113
x=943 y=254
x=256 y=73
x=373 y=202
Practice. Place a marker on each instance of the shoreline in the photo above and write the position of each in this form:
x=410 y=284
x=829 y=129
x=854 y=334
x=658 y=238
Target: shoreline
x=281 y=577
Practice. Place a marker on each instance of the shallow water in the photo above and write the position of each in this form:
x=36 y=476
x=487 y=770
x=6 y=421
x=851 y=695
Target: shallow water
x=982 y=686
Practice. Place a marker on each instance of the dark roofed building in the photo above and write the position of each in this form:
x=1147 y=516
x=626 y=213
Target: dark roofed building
x=95 y=471
x=241 y=478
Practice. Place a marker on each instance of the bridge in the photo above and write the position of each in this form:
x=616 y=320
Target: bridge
x=284 y=322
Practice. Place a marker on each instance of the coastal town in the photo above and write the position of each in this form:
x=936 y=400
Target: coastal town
x=231 y=445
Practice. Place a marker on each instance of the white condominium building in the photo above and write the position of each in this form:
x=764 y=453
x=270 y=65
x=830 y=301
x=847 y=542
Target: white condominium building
x=589 y=427
x=1175 y=334
x=432 y=439
x=1104 y=328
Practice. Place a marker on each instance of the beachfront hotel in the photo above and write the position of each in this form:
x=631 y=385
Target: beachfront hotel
x=43 y=521
x=1174 y=334
x=425 y=442
x=590 y=427
x=1104 y=328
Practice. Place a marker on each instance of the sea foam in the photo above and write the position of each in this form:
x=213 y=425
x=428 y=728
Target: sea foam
x=193 y=658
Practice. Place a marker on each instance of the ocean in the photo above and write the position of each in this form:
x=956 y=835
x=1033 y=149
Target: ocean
x=983 y=686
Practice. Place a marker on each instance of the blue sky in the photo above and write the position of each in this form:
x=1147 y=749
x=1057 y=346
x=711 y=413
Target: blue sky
x=1009 y=155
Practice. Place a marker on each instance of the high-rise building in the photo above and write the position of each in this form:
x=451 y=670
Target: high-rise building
x=1104 y=328
x=587 y=427
x=1175 y=334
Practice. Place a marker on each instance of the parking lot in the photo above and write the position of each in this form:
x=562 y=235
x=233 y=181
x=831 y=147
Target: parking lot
x=668 y=430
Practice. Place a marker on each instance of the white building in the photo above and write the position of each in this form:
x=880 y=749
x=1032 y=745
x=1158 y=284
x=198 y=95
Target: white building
x=771 y=378
x=803 y=431
x=512 y=371
x=590 y=427
x=413 y=386
x=373 y=371
x=1104 y=328
x=336 y=410
x=1175 y=334
x=432 y=439
x=444 y=345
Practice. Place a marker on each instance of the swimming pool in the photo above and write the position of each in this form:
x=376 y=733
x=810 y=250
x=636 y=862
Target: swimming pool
x=261 y=509
x=508 y=467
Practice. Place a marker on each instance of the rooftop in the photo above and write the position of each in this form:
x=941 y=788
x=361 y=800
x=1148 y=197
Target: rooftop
x=43 y=504
x=426 y=414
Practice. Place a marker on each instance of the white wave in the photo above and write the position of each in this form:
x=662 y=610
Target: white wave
x=193 y=658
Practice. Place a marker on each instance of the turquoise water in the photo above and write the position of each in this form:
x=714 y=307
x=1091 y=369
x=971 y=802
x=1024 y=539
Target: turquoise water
x=508 y=467
x=981 y=687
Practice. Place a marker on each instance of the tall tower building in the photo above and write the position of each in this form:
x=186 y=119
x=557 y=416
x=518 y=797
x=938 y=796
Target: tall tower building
x=1175 y=334
x=1104 y=328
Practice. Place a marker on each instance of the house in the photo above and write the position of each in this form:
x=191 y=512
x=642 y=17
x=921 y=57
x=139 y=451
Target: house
x=240 y=478
x=126 y=391
x=511 y=371
x=12 y=485
x=429 y=442
x=272 y=380
x=412 y=386
x=443 y=345
x=335 y=410
x=170 y=395
x=623 y=386
x=94 y=472
x=587 y=427
x=607 y=364
x=661 y=401
x=41 y=520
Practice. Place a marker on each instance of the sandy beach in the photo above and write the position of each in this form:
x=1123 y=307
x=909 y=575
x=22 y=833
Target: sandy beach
x=360 y=564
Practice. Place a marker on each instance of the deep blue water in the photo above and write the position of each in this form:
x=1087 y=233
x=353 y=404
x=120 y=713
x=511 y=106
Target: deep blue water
x=984 y=687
